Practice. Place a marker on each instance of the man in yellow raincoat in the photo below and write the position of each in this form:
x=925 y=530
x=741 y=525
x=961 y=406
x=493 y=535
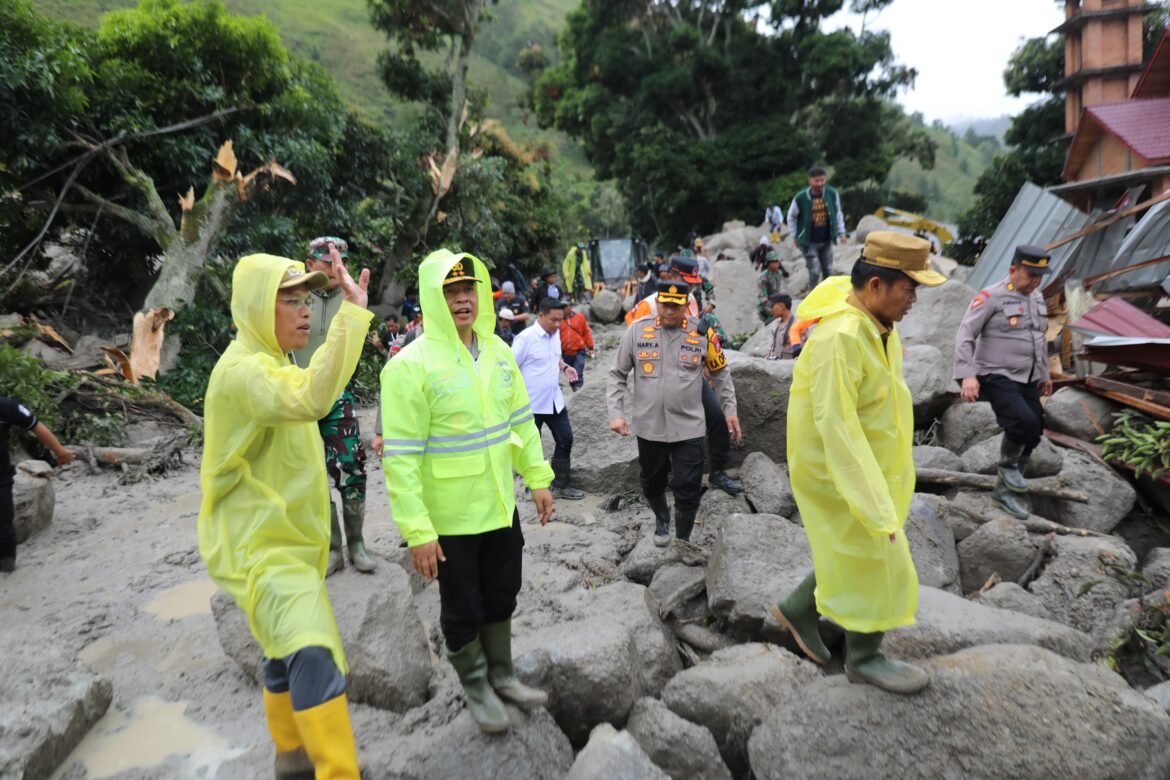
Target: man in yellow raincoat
x=455 y=422
x=850 y=432
x=264 y=519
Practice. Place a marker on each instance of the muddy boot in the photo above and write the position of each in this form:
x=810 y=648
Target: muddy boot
x=797 y=614
x=7 y=565
x=684 y=523
x=336 y=559
x=486 y=708
x=1008 y=501
x=353 y=512
x=865 y=662
x=560 y=484
x=496 y=639
x=720 y=479
x=292 y=762
x=328 y=736
x=1010 y=467
x=661 y=520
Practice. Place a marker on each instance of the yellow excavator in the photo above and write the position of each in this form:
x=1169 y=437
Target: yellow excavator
x=916 y=223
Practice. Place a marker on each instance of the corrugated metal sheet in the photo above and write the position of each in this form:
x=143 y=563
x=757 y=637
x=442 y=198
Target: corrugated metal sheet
x=1036 y=217
x=1142 y=353
x=1118 y=317
x=1149 y=239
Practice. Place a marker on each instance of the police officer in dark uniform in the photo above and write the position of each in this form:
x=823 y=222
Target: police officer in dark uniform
x=1001 y=357
x=663 y=358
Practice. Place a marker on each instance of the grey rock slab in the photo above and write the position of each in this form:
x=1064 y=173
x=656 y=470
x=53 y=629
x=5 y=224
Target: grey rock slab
x=964 y=425
x=927 y=378
x=646 y=559
x=866 y=225
x=761 y=391
x=736 y=291
x=734 y=690
x=1111 y=497
x=760 y=344
x=390 y=664
x=33 y=498
x=1161 y=694
x=1009 y=595
x=934 y=319
x=1075 y=562
x=1000 y=546
x=932 y=542
x=1157 y=567
x=983 y=458
x=990 y=712
x=587 y=549
x=1075 y=412
x=930 y=457
x=602 y=462
x=612 y=754
x=947 y=623
x=767 y=486
x=50 y=702
x=756 y=560
x=684 y=750
x=676 y=584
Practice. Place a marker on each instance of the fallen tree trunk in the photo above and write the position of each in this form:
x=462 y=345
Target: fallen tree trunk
x=1048 y=487
x=1033 y=524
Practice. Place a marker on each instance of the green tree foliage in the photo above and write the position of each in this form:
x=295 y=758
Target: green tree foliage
x=689 y=104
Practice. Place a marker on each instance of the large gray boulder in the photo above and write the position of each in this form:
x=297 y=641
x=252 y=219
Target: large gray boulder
x=990 y=712
x=756 y=560
x=734 y=690
x=390 y=665
x=603 y=462
x=935 y=319
x=1111 y=497
x=932 y=543
x=1000 y=546
x=646 y=558
x=965 y=425
x=1076 y=564
x=1009 y=595
x=1076 y=412
x=866 y=225
x=606 y=307
x=761 y=391
x=610 y=754
x=596 y=651
x=684 y=750
x=929 y=457
x=736 y=291
x=51 y=701
x=33 y=498
x=760 y=344
x=1160 y=693
x=767 y=486
x=983 y=458
x=1156 y=569
x=947 y=623
x=584 y=549
x=922 y=366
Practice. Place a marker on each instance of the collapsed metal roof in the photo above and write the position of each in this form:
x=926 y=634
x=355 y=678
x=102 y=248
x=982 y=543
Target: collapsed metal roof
x=1149 y=239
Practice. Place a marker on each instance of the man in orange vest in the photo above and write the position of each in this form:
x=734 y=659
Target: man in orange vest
x=576 y=343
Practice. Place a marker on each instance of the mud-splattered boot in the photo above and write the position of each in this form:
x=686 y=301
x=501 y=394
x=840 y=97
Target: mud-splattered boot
x=353 y=512
x=486 y=708
x=661 y=519
x=1008 y=501
x=496 y=639
x=336 y=559
x=865 y=662
x=1011 y=470
x=797 y=614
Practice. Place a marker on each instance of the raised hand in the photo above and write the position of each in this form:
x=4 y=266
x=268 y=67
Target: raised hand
x=354 y=292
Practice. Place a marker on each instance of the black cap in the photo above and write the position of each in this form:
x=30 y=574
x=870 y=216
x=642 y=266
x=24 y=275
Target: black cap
x=547 y=272
x=1034 y=259
x=673 y=292
x=688 y=267
x=461 y=271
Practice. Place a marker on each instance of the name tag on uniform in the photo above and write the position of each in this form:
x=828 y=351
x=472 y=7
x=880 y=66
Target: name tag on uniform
x=1013 y=311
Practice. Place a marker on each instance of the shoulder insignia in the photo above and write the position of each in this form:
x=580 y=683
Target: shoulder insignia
x=979 y=299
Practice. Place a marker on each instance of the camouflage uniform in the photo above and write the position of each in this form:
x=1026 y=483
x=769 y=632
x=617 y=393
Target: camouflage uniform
x=345 y=455
x=770 y=283
x=705 y=293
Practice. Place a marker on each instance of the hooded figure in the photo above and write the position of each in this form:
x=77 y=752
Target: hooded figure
x=264 y=518
x=456 y=422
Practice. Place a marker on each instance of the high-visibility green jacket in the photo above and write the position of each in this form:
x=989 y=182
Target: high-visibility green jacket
x=569 y=268
x=264 y=517
x=454 y=427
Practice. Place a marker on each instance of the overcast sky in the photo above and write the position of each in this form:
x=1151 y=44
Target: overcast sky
x=960 y=48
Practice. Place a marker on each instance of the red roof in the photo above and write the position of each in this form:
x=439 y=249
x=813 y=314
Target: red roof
x=1155 y=80
x=1144 y=125
x=1119 y=317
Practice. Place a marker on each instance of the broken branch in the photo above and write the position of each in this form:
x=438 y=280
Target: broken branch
x=1050 y=487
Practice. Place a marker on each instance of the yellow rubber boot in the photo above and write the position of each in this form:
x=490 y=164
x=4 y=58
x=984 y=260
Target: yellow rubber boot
x=328 y=738
x=292 y=762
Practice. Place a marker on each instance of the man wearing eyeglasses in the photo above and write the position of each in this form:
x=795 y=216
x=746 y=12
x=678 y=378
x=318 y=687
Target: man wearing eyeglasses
x=345 y=455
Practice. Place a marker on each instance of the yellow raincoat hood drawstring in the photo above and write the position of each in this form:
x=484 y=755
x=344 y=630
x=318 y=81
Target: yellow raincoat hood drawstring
x=264 y=517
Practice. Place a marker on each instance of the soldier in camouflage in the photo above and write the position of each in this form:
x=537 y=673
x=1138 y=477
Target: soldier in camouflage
x=345 y=455
x=771 y=281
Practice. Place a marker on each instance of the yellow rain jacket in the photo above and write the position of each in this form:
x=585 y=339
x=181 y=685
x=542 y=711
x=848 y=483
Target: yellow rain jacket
x=453 y=428
x=569 y=268
x=264 y=518
x=850 y=429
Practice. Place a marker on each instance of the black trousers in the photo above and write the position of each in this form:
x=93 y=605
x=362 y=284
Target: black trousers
x=1017 y=408
x=7 y=519
x=309 y=674
x=479 y=581
x=680 y=461
x=718 y=437
x=562 y=432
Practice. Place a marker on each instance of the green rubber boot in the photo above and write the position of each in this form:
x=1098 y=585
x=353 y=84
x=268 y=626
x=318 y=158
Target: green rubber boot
x=865 y=662
x=486 y=708
x=353 y=512
x=1010 y=468
x=797 y=614
x=497 y=646
x=1008 y=501
x=336 y=559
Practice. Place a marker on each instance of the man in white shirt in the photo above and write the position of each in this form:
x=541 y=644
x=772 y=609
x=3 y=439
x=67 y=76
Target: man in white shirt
x=538 y=353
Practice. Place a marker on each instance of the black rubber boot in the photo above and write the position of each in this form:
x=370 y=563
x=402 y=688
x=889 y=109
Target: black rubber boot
x=353 y=513
x=865 y=662
x=560 y=484
x=497 y=647
x=336 y=559
x=720 y=479
x=486 y=708
x=797 y=614
x=684 y=522
x=1010 y=467
x=661 y=520
x=1008 y=501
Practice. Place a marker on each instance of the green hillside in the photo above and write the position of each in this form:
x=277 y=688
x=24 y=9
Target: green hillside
x=949 y=186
